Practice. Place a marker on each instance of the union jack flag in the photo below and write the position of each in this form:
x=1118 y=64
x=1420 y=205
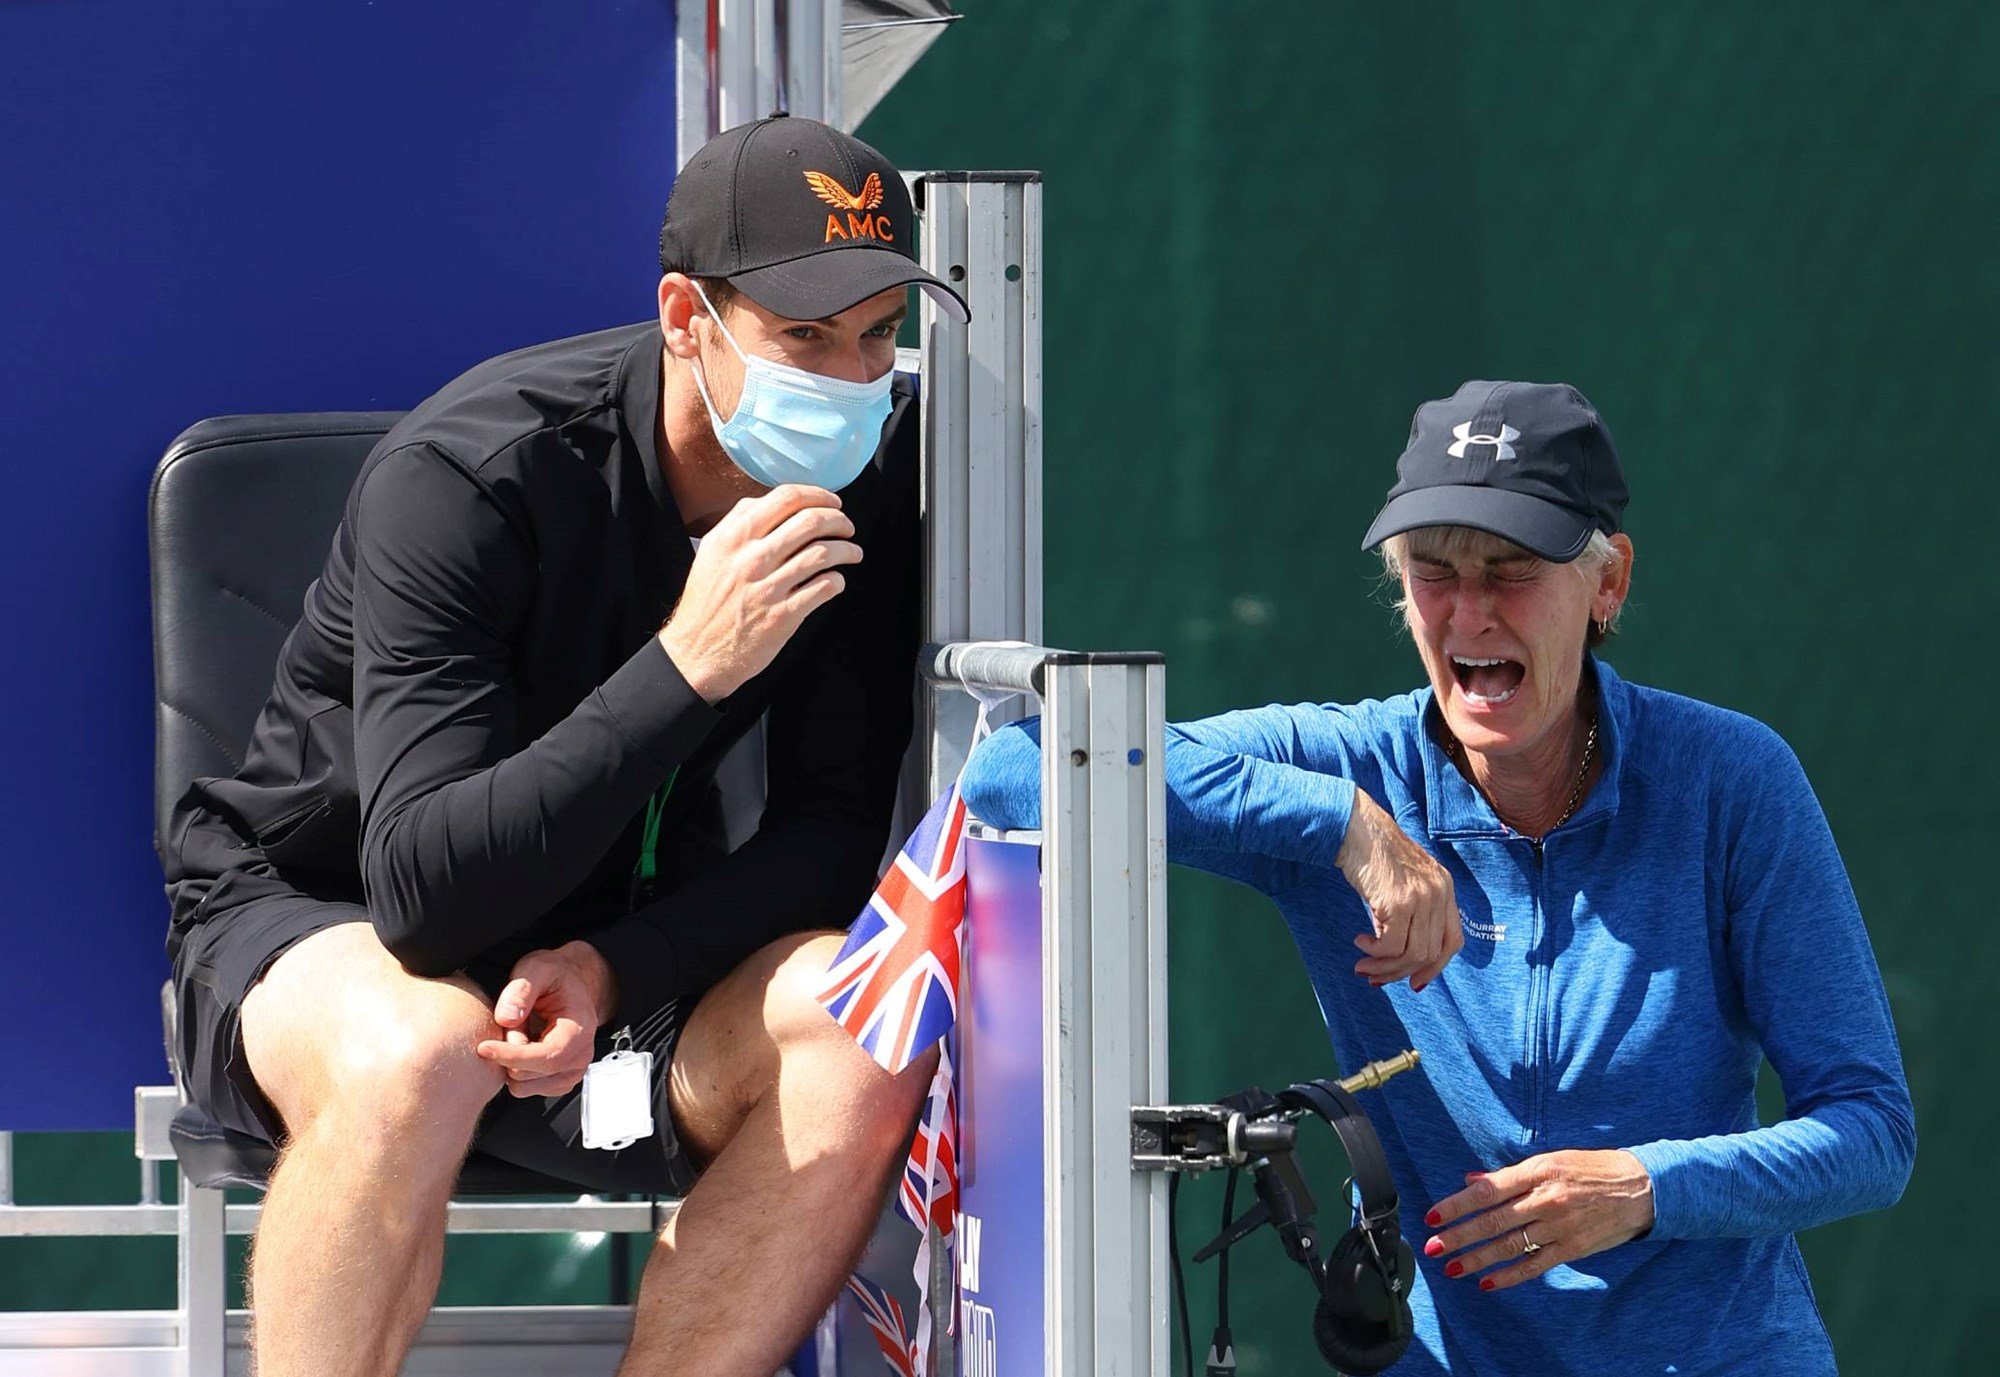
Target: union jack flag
x=885 y=1318
x=894 y=985
x=928 y=1191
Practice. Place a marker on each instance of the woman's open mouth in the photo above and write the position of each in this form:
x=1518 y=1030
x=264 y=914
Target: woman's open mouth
x=1488 y=682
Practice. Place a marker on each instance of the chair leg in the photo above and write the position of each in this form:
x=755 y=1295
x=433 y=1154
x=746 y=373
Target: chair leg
x=204 y=1299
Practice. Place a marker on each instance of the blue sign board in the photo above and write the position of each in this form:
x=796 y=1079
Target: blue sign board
x=217 y=206
x=1001 y=1201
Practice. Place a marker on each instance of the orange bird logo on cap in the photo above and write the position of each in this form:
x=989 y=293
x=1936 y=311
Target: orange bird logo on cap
x=861 y=221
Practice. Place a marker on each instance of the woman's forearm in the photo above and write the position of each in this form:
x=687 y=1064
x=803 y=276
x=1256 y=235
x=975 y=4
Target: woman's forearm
x=1841 y=1158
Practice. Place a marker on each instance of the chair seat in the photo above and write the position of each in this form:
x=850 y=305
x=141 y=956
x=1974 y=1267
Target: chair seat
x=212 y=1155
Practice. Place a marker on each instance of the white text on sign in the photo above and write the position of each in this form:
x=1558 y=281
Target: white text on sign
x=979 y=1334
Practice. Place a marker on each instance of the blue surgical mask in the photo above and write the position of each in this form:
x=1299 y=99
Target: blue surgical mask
x=791 y=426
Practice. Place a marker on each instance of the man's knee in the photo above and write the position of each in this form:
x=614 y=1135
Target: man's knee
x=764 y=1029
x=337 y=1024
x=798 y=967
x=884 y=1106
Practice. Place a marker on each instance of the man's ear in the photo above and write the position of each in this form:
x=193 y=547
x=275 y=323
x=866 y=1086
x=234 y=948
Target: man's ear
x=679 y=305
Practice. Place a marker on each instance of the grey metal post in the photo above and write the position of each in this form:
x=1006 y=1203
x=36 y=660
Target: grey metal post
x=1104 y=1014
x=765 y=55
x=202 y=1267
x=1104 y=993
x=982 y=442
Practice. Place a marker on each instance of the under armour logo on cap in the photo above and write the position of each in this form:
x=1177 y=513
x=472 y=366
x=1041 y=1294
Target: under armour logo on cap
x=1502 y=449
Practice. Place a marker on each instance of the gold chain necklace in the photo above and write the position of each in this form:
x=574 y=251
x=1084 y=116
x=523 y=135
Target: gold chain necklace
x=1456 y=750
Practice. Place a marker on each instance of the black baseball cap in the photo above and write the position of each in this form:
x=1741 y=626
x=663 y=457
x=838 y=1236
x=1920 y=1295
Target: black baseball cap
x=799 y=217
x=1530 y=462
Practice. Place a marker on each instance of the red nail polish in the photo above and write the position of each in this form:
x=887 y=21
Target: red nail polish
x=1434 y=1248
x=1475 y=1176
x=1418 y=989
x=1433 y=1219
x=1452 y=1269
x=1486 y=1283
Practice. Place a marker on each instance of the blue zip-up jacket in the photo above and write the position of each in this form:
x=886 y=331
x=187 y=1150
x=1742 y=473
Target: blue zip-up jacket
x=1620 y=982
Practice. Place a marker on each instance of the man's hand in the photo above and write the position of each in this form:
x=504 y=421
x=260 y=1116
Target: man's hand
x=1409 y=896
x=763 y=569
x=551 y=1009
x=1567 y=1204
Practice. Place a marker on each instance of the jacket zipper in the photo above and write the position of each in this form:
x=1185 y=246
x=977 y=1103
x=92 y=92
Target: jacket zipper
x=1538 y=990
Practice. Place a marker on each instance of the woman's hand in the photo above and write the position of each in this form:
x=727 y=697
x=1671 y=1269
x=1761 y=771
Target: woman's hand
x=1568 y=1204
x=1409 y=896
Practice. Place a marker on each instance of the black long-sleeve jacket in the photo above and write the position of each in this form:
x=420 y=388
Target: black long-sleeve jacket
x=473 y=713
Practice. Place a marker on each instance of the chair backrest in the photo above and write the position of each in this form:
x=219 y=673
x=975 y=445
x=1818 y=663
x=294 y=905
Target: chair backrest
x=243 y=510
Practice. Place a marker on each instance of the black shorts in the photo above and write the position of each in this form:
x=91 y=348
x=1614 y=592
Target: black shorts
x=228 y=953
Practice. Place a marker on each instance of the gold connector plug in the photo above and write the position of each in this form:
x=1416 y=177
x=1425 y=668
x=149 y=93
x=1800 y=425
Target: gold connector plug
x=1374 y=1073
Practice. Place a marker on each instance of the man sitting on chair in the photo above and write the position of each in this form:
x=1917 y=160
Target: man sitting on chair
x=476 y=836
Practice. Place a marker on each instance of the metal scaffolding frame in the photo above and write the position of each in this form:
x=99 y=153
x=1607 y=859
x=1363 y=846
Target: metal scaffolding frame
x=740 y=60
x=1104 y=992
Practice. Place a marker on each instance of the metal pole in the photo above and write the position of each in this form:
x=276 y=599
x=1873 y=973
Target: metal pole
x=1104 y=991
x=1104 y=1012
x=982 y=441
x=740 y=60
x=203 y=1290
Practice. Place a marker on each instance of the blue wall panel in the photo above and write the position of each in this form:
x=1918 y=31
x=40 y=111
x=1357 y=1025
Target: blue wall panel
x=231 y=207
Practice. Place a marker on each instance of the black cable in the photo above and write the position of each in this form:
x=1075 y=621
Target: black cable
x=1228 y=1214
x=1221 y=1349
x=1180 y=1284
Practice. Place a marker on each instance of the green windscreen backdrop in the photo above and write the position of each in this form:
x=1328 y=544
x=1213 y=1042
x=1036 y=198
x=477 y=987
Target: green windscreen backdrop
x=1759 y=237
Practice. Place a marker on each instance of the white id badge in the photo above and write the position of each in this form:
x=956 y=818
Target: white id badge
x=618 y=1098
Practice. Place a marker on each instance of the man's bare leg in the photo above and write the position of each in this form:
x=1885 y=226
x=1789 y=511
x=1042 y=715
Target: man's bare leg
x=804 y=1134
x=374 y=1073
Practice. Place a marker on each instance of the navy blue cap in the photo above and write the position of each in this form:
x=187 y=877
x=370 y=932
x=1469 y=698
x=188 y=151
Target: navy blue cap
x=1530 y=462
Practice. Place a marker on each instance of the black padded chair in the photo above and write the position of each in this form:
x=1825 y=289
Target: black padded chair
x=243 y=509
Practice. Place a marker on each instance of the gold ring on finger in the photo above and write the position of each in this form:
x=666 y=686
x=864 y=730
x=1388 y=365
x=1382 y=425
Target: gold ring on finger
x=1528 y=1245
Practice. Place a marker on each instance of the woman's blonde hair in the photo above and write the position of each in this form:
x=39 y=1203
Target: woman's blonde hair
x=1449 y=544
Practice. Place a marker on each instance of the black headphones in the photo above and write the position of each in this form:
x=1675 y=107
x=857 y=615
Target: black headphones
x=1362 y=1323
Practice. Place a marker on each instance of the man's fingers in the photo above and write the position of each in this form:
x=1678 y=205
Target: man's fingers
x=816 y=558
x=527 y=1087
x=810 y=524
x=562 y=1048
x=763 y=515
x=819 y=589
x=511 y=1009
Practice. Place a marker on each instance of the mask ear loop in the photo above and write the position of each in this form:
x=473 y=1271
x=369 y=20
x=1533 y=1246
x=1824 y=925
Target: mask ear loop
x=716 y=316
x=701 y=382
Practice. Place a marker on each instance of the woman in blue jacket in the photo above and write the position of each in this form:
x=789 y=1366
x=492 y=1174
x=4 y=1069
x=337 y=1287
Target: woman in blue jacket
x=1595 y=907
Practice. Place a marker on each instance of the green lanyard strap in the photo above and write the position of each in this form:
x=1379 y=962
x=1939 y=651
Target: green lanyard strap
x=647 y=867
